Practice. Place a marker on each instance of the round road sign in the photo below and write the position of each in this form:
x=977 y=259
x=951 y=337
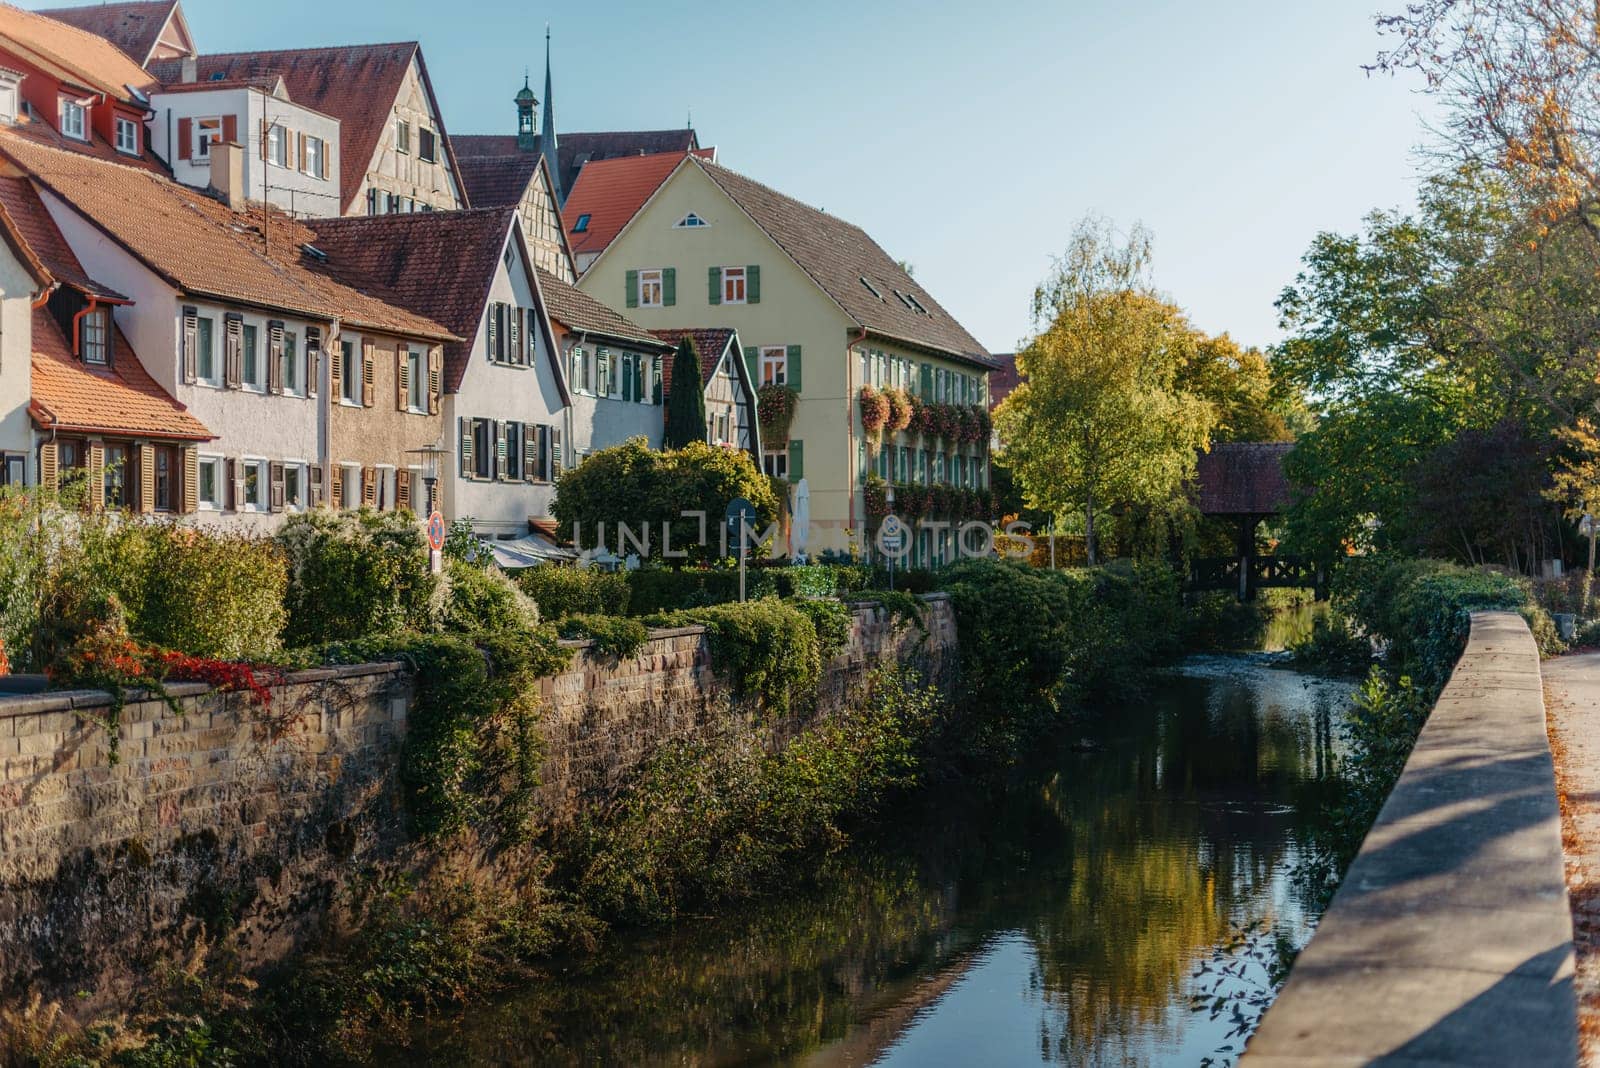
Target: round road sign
x=436 y=532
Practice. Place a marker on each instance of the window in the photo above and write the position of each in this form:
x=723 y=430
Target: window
x=690 y=221
x=14 y=472
x=209 y=489
x=722 y=429
x=582 y=225
x=402 y=136
x=117 y=482
x=602 y=381
x=278 y=145
x=127 y=136
x=650 y=289
x=95 y=338
x=8 y=101
x=416 y=381
x=484 y=447
x=295 y=489
x=733 y=285
x=774 y=365
x=775 y=463
x=578 y=370
x=165 y=474
x=349 y=374
x=655 y=380
x=871 y=288
x=629 y=376
x=250 y=358
x=289 y=363
x=516 y=436
x=311 y=161
x=72 y=120
x=205 y=358
x=350 y=486
x=255 y=486
x=207 y=132
x=383 y=488
x=427 y=145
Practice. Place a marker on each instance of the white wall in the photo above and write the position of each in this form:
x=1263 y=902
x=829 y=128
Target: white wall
x=16 y=358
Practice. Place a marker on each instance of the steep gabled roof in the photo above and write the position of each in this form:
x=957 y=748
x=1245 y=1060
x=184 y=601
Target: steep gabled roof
x=850 y=267
x=73 y=55
x=497 y=181
x=610 y=192
x=575 y=150
x=200 y=247
x=710 y=344
x=356 y=84
x=133 y=27
x=439 y=264
x=581 y=313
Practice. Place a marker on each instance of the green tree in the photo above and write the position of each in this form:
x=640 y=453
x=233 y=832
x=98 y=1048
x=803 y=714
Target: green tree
x=1577 y=485
x=1098 y=420
x=1238 y=383
x=686 y=404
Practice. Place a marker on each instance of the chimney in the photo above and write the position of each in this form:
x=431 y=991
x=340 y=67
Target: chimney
x=227 y=173
x=189 y=70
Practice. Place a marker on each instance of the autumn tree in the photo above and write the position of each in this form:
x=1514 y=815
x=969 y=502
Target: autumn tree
x=1098 y=419
x=1238 y=384
x=1577 y=485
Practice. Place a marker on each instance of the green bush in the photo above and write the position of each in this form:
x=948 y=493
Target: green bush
x=572 y=591
x=833 y=622
x=212 y=594
x=767 y=649
x=483 y=598
x=1333 y=648
x=661 y=589
x=355 y=574
x=615 y=636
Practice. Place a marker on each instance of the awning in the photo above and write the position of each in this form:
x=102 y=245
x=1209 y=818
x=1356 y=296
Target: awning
x=531 y=550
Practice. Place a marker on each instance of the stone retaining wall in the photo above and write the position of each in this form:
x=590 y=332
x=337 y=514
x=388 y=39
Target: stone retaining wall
x=252 y=820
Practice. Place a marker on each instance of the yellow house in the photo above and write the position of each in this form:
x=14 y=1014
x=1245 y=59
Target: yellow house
x=824 y=311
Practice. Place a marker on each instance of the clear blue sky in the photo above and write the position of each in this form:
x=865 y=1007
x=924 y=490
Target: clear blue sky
x=967 y=138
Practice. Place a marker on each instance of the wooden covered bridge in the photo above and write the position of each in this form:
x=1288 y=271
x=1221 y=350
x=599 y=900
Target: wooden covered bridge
x=1245 y=482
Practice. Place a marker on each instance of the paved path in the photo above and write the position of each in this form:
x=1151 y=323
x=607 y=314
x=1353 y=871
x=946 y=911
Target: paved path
x=1450 y=940
x=1572 y=693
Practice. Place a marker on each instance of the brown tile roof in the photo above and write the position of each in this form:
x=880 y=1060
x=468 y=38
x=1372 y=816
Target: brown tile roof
x=70 y=53
x=497 y=181
x=200 y=247
x=133 y=27
x=838 y=255
x=43 y=240
x=1243 y=478
x=611 y=192
x=356 y=84
x=581 y=313
x=439 y=264
x=709 y=344
x=575 y=150
x=121 y=399
x=1003 y=379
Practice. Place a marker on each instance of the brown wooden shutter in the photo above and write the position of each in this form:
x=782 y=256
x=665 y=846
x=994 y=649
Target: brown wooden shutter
x=185 y=138
x=336 y=492
x=336 y=372
x=147 y=478
x=402 y=489
x=369 y=395
x=402 y=377
x=275 y=476
x=275 y=356
x=530 y=453
x=318 y=495
x=313 y=361
x=300 y=144
x=97 y=476
x=494 y=330
x=233 y=352
x=50 y=465
x=231 y=492
x=467 y=465
x=369 y=487
x=191 y=343
x=435 y=379
x=189 y=502
x=230 y=129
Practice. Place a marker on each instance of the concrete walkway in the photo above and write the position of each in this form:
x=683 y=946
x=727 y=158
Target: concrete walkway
x=1449 y=941
x=1572 y=694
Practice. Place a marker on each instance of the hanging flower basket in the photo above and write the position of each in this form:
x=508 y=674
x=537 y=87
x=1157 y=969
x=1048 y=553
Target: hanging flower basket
x=775 y=408
x=874 y=410
x=899 y=410
x=877 y=499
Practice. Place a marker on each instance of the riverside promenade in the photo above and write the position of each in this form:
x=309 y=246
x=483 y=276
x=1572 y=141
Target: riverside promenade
x=1450 y=940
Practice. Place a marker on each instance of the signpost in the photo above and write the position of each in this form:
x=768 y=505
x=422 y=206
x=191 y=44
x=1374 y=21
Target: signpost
x=436 y=542
x=741 y=517
x=892 y=542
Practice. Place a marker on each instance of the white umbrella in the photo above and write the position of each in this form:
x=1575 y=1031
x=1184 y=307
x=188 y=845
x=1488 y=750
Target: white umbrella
x=801 y=518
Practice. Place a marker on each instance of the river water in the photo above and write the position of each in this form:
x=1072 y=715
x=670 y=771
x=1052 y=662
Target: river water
x=1061 y=922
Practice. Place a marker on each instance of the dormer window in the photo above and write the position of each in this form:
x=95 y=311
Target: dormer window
x=8 y=101
x=74 y=120
x=94 y=339
x=127 y=136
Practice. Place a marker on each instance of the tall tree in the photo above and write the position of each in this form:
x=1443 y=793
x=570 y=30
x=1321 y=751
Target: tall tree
x=1098 y=420
x=1577 y=485
x=686 y=404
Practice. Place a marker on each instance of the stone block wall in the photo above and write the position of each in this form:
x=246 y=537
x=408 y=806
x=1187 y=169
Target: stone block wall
x=253 y=821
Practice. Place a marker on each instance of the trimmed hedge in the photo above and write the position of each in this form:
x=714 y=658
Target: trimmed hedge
x=571 y=591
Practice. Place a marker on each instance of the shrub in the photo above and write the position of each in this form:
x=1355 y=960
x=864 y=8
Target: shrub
x=355 y=574
x=767 y=649
x=614 y=636
x=483 y=598
x=212 y=594
x=833 y=623
x=659 y=589
x=572 y=591
x=1333 y=648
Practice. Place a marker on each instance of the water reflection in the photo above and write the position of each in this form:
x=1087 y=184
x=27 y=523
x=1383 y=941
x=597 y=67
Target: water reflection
x=1058 y=923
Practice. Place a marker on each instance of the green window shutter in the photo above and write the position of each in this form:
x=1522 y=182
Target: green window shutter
x=632 y=296
x=752 y=363
x=752 y=283
x=797 y=461
x=794 y=368
x=714 y=284
x=669 y=286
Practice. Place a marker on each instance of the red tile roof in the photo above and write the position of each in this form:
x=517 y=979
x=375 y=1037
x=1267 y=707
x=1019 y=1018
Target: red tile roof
x=610 y=192
x=439 y=264
x=38 y=232
x=70 y=53
x=580 y=313
x=1003 y=379
x=574 y=151
x=200 y=247
x=356 y=84
x=709 y=345
x=133 y=27
x=1244 y=478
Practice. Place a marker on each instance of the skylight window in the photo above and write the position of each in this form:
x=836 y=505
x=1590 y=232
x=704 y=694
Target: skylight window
x=916 y=305
x=871 y=288
x=582 y=225
x=314 y=252
x=218 y=75
x=690 y=221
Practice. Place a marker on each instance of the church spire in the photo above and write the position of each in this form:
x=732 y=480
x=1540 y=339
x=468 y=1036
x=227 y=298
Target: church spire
x=547 y=143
